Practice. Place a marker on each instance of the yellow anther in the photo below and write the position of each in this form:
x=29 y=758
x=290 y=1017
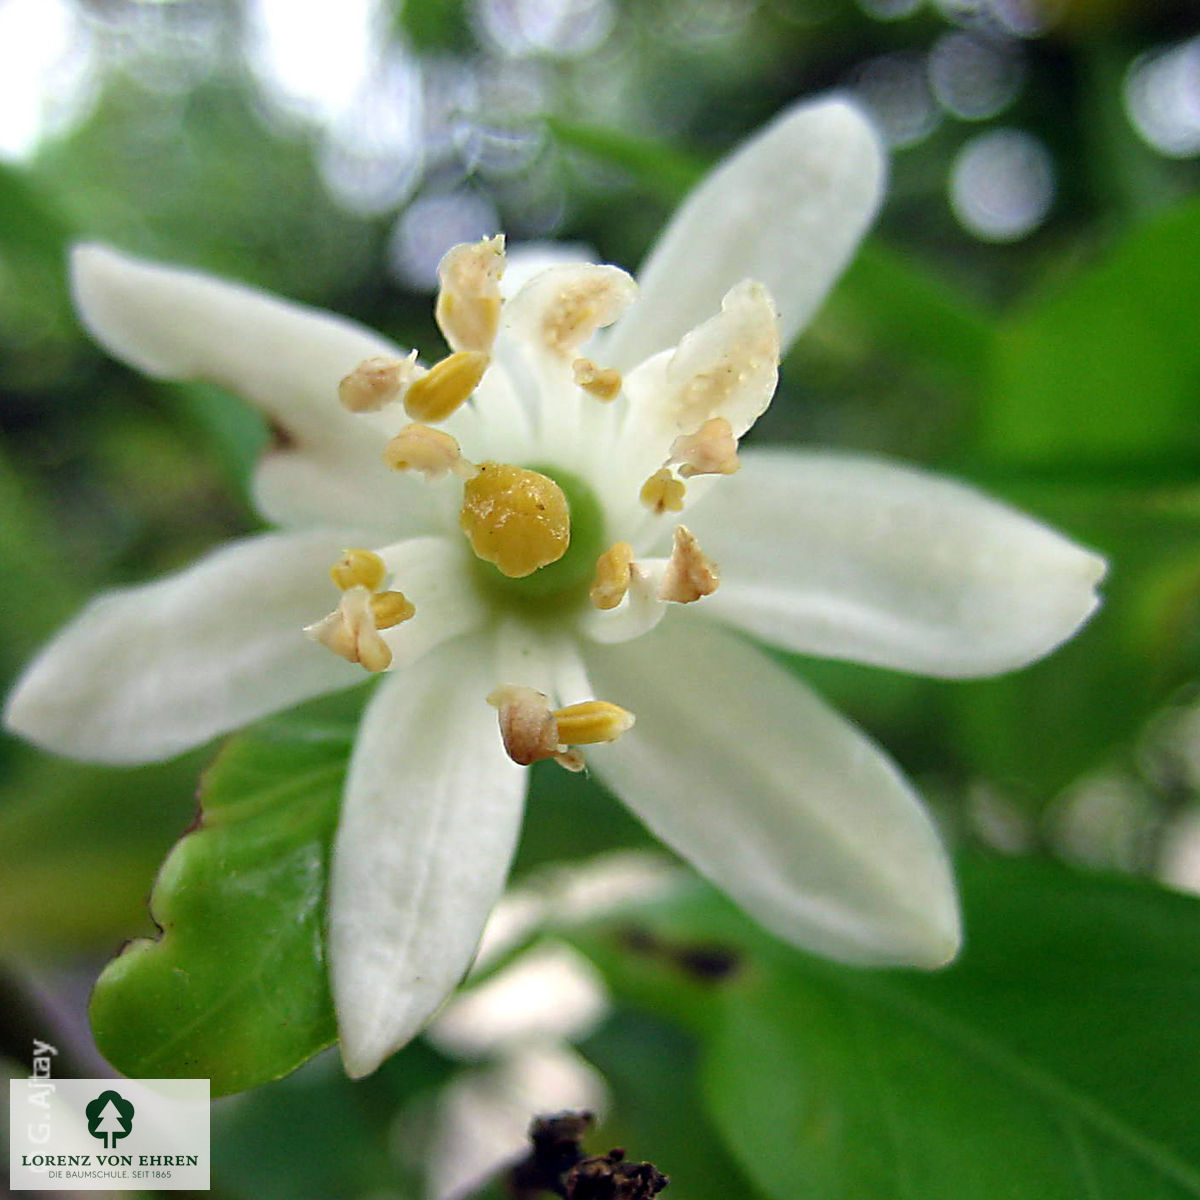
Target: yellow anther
x=445 y=386
x=527 y=724
x=391 y=608
x=515 y=518
x=431 y=451
x=602 y=383
x=350 y=631
x=662 y=492
x=690 y=573
x=358 y=568
x=711 y=450
x=611 y=581
x=376 y=382
x=591 y=722
x=468 y=304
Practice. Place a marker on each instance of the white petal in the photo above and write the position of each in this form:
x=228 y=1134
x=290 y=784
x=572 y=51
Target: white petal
x=283 y=358
x=787 y=209
x=327 y=486
x=146 y=672
x=775 y=798
x=429 y=823
x=854 y=558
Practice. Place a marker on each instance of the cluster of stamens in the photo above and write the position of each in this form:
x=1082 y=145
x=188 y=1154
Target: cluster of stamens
x=515 y=518
x=351 y=631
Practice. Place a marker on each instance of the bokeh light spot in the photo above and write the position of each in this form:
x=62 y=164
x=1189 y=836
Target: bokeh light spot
x=1002 y=185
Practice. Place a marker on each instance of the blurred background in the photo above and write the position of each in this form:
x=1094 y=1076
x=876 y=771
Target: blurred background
x=1024 y=316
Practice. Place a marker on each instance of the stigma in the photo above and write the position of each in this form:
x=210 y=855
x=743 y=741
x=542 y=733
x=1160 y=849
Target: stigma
x=515 y=518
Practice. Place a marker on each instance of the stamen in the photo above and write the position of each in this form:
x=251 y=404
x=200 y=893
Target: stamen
x=445 y=386
x=431 y=451
x=515 y=518
x=591 y=722
x=690 y=574
x=602 y=383
x=468 y=304
x=358 y=568
x=527 y=723
x=350 y=631
x=662 y=492
x=612 y=576
x=532 y=732
x=391 y=608
x=711 y=450
x=377 y=381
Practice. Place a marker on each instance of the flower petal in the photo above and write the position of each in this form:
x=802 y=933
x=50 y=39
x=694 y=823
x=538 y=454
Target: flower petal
x=283 y=358
x=429 y=824
x=146 y=672
x=786 y=209
x=177 y=324
x=775 y=798
x=849 y=557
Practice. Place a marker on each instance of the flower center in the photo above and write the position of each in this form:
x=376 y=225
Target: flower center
x=510 y=533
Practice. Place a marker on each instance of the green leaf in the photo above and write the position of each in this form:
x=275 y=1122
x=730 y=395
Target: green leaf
x=1105 y=368
x=235 y=988
x=667 y=172
x=1056 y=1059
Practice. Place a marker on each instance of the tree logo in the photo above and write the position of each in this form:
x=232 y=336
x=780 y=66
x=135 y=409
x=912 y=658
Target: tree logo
x=109 y=1117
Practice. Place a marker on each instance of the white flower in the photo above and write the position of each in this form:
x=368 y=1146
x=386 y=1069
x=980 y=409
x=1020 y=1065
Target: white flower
x=732 y=761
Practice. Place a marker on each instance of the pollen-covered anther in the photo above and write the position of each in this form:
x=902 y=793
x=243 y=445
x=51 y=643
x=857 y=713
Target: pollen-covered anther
x=711 y=450
x=391 y=608
x=611 y=580
x=377 y=381
x=358 y=568
x=351 y=633
x=592 y=721
x=690 y=574
x=445 y=386
x=662 y=492
x=468 y=304
x=515 y=518
x=602 y=383
x=431 y=451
